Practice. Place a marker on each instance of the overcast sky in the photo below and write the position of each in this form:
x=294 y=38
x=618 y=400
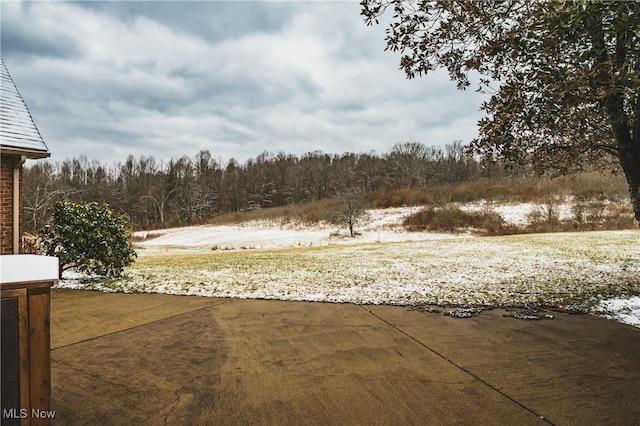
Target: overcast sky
x=110 y=79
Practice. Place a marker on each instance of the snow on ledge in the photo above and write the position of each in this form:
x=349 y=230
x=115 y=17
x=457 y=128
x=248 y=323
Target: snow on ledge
x=28 y=268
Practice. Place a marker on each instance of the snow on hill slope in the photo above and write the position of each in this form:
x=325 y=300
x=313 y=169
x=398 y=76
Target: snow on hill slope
x=383 y=225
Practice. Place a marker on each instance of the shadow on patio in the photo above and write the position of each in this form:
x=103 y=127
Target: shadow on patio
x=159 y=359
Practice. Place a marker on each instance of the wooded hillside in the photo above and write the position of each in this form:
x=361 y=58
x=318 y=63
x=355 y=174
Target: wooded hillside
x=187 y=190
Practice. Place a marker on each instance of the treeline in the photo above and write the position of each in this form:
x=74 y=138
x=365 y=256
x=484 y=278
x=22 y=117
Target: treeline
x=194 y=190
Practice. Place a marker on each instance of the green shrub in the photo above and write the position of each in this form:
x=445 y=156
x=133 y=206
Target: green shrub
x=89 y=237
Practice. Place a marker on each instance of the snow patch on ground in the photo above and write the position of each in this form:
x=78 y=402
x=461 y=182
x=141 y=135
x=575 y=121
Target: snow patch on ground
x=518 y=214
x=622 y=310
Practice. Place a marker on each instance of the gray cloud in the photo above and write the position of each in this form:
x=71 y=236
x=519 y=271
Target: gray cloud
x=236 y=78
x=18 y=37
x=208 y=20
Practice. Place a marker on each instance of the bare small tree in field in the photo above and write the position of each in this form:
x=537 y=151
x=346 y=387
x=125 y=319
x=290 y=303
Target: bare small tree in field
x=350 y=210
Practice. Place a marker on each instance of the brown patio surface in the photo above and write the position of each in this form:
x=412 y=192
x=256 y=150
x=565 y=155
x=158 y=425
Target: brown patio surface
x=177 y=360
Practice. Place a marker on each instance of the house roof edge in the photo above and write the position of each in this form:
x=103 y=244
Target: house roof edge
x=31 y=154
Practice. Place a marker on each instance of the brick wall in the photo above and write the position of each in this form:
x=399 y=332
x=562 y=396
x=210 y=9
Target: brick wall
x=6 y=203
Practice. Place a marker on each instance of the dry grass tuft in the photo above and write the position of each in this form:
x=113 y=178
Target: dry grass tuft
x=452 y=219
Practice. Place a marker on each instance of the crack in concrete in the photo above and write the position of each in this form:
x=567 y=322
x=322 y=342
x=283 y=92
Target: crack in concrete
x=452 y=362
x=175 y=405
x=137 y=325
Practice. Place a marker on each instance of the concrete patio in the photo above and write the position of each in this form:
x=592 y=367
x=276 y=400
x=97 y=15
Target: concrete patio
x=158 y=359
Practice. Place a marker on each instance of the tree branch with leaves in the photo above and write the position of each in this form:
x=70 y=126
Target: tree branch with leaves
x=568 y=74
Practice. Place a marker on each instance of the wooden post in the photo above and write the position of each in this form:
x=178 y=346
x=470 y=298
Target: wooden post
x=26 y=341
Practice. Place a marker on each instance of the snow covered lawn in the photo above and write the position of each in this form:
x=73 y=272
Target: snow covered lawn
x=387 y=265
x=560 y=270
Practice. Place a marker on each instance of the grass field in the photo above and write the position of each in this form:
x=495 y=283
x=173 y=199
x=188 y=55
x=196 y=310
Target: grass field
x=558 y=270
